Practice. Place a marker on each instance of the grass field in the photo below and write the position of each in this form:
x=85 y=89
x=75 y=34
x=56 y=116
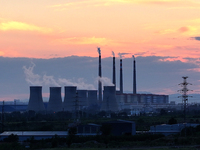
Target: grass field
x=142 y=148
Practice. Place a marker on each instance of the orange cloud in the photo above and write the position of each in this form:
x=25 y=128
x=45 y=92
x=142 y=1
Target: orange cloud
x=194 y=69
x=183 y=29
x=188 y=30
x=14 y=25
x=1 y=53
x=172 y=59
x=113 y=2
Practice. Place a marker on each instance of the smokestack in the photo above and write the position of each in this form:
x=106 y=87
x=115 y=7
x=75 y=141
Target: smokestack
x=134 y=76
x=114 y=72
x=99 y=83
x=35 y=101
x=55 y=100
x=121 y=77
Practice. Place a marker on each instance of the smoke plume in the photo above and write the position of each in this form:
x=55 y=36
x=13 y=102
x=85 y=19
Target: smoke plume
x=133 y=57
x=120 y=55
x=113 y=54
x=99 y=50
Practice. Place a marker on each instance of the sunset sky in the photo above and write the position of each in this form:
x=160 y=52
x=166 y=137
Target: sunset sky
x=49 y=28
x=165 y=31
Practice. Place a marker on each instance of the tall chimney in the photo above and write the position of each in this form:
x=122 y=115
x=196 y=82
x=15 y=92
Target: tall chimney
x=134 y=76
x=121 y=77
x=99 y=83
x=114 y=72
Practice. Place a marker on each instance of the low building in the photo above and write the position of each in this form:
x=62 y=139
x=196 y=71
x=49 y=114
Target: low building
x=122 y=127
x=88 y=129
x=167 y=129
x=37 y=135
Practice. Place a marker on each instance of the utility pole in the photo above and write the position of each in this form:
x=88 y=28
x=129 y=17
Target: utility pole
x=2 y=117
x=184 y=95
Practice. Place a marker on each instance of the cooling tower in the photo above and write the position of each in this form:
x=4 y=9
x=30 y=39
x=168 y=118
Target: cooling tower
x=55 y=100
x=35 y=101
x=114 y=72
x=92 y=97
x=121 y=77
x=82 y=98
x=134 y=76
x=71 y=99
x=109 y=99
x=99 y=83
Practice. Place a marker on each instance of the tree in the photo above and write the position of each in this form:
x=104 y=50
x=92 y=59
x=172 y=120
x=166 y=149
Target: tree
x=172 y=121
x=106 y=129
x=11 y=138
x=72 y=131
x=163 y=112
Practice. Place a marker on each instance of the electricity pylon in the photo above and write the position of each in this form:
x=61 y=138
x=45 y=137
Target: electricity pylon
x=184 y=95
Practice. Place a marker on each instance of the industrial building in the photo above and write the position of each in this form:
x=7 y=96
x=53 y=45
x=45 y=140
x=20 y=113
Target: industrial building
x=122 y=127
x=81 y=99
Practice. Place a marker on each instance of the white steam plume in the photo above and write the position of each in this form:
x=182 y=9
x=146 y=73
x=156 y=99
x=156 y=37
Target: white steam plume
x=49 y=80
x=105 y=81
x=113 y=54
x=79 y=83
x=35 y=79
x=30 y=77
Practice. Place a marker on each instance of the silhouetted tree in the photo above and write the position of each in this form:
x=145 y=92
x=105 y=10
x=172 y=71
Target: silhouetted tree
x=11 y=138
x=71 y=134
x=172 y=121
x=163 y=112
x=106 y=129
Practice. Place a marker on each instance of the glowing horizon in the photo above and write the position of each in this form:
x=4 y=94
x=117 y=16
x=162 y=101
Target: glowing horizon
x=52 y=29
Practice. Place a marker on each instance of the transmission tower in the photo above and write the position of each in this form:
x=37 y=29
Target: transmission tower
x=184 y=95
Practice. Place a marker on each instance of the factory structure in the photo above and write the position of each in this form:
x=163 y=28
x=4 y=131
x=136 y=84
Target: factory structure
x=107 y=99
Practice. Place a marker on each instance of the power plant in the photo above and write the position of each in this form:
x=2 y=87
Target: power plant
x=75 y=100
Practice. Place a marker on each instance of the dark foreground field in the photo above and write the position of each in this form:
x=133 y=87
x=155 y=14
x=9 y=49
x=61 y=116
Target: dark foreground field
x=142 y=148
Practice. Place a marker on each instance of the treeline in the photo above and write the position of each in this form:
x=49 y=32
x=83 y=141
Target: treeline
x=104 y=141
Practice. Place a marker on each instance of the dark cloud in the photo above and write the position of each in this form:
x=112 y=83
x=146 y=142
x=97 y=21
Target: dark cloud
x=153 y=75
x=141 y=53
x=196 y=38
